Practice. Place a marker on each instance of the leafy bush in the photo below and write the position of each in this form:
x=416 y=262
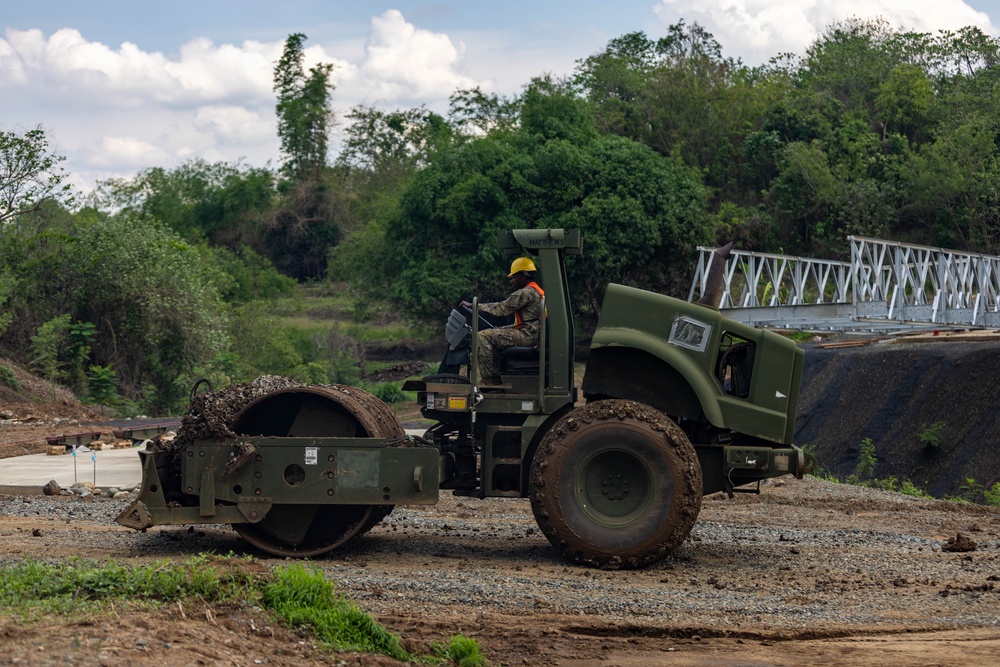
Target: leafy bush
x=930 y=435
x=903 y=486
x=970 y=491
x=8 y=378
x=244 y=276
x=155 y=312
x=992 y=495
x=908 y=488
x=389 y=392
x=867 y=460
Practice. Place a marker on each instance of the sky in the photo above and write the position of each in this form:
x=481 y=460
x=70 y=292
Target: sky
x=120 y=85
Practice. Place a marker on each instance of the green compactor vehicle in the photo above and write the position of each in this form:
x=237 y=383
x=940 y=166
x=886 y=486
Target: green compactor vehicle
x=676 y=402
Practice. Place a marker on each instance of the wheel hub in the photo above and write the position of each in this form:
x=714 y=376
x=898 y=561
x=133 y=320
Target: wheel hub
x=614 y=487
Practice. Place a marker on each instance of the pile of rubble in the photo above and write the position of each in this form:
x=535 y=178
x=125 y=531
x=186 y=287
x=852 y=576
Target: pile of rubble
x=210 y=415
x=87 y=490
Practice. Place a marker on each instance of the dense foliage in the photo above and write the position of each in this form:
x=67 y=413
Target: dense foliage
x=873 y=131
x=642 y=214
x=93 y=290
x=651 y=147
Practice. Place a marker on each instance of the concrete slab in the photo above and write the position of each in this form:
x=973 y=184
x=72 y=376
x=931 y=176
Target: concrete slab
x=23 y=475
x=108 y=467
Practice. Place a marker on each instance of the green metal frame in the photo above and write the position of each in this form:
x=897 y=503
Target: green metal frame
x=633 y=318
x=238 y=480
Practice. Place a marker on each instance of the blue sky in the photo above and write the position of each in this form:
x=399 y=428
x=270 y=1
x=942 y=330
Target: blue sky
x=125 y=85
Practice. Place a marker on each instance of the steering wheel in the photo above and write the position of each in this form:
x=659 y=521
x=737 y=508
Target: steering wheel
x=483 y=322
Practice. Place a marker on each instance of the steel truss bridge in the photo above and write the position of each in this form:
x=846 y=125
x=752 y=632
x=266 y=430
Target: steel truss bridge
x=886 y=287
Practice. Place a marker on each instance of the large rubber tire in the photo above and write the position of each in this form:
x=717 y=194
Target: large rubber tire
x=615 y=484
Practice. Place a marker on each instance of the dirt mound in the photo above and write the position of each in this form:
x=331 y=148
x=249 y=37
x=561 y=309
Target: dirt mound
x=20 y=386
x=27 y=398
x=893 y=393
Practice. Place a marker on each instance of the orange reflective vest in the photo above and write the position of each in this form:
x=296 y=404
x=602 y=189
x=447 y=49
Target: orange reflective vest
x=518 y=320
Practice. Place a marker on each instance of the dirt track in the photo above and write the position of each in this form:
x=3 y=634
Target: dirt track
x=807 y=573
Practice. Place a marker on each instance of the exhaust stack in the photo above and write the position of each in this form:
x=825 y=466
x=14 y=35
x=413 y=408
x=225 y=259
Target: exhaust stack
x=713 y=286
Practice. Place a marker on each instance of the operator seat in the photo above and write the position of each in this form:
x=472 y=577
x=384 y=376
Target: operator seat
x=522 y=360
x=518 y=360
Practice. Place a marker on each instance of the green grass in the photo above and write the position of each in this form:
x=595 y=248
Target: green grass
x=297 y=597
x=313 y=311
x=303 y=598
x=463 y=651
x=40 y=584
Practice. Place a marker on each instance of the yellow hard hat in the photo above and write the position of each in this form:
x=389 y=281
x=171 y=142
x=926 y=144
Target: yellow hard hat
x=521 y=264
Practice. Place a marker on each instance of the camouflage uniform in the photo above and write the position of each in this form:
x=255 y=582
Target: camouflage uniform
x=528 y=302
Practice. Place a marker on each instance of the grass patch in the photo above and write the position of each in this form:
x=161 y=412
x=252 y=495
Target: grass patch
x=390 y=392
x=315 y=308
x=303 y=598
x=297 y=597
x=463 y=651
x=45 y=587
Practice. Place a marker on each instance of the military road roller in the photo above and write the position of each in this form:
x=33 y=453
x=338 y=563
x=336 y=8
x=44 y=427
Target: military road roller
x=676 y=402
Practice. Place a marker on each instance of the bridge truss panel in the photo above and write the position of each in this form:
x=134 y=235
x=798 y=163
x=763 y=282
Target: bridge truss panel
x=887 y=286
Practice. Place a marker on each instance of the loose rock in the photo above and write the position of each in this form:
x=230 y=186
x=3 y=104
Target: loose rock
x=959 y=544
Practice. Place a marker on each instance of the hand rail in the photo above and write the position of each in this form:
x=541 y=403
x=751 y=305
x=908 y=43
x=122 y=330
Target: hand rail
x=541 y=358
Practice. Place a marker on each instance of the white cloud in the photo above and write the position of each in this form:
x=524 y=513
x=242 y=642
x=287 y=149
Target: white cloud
x=234 y=124
x=405 y=63
x=121 y=109
x=67 y=63
x=127 y=151
x=756 y=30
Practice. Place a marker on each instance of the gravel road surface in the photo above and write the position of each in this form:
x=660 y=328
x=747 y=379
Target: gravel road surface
x=808 y=572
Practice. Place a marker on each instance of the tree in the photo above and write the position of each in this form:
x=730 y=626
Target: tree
x=304 y=112
x=851 y=61
x=155 y=312
x=221 y=202
x=642 y=214
x=477 y=113
x=392 y=143
x=970 y=51
x=678 y=95
x=616 y=81
x=951 y=186
x=904 y=101
x=30 y=173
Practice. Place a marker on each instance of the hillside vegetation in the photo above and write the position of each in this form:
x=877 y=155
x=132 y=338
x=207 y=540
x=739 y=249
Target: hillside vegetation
x=651 y=147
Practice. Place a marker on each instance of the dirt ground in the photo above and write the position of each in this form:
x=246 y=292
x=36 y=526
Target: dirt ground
x=739 y=592
x=806 y=573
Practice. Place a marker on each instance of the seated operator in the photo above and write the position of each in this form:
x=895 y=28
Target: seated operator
x=526 y=304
